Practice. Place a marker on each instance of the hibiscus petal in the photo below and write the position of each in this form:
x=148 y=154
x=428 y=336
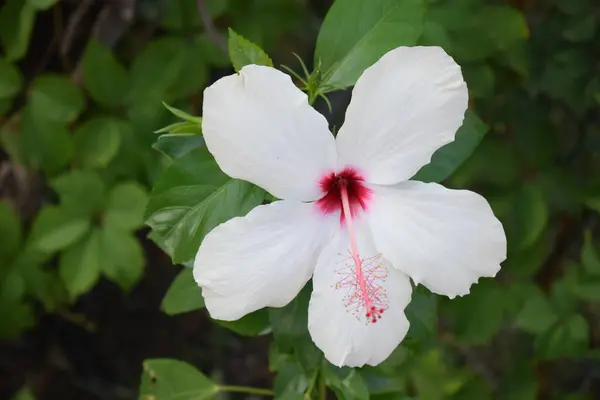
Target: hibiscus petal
x=444 y=239
x=260 y=128
x=406 y=106
x=337 y=314
x=262 y=259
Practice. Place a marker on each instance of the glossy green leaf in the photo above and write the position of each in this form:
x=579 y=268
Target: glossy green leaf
x=55 y=229
x=253 y=324
x=55 y=98
x=183 y=295
x=10 y=233
x=122 y=257
x=16 y=25
x=347 y=383
x=97 y=141
x=104 y=78
x=243 y=52
x=81 y=192
x=125 y=206
x=356 y=33
x=190 y=198
x=166 y=379
x=11 y=79
x=176 y=145
x=447 y=159
x=80 y=264
x=590 y=258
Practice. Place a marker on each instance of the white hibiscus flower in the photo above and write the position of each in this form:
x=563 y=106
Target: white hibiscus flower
x=349 y=218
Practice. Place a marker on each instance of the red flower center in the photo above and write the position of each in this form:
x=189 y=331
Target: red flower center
x=358 y=193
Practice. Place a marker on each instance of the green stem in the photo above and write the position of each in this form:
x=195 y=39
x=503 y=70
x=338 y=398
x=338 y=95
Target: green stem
x=311 y=386
x=246 y=389
x=322 y=387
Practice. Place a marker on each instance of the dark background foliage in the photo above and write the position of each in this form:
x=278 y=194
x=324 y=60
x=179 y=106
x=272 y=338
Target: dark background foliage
x=88 y=303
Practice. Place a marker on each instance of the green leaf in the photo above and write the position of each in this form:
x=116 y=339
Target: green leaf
x=43 y=284
x=24 y=394
x=16 y=318
x=181 y=129
x=10 y=233
x=55 y=98
x=447 y=159
x=530 y=215
x=290 y=322
x=291 y=382
x=588 y=289
x=243 y=52
x=183 y=115
x=165 y=379
x=356 y=33
x=590 y=259
x=16 y=26
x=46 y=144
x=537 y=314
x=422 y=315
x=103 y=77
x=190 y=198
x=183 y=295
x=81 y=192
x=41 y=4
x=346 y=383
x=581 y=29
x=567 y=338
x=11 y=79
x=479 y=316
x=55 y=229
x=97 y=141
x=79 y=265
x=125 y=206
x=253 y=324
x=177 y=145
x=122 y=257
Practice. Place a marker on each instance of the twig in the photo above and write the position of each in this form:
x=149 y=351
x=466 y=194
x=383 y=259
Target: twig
x=211 y=29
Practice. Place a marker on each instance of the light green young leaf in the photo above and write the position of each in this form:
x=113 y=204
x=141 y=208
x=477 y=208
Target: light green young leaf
x=447 y=159
x=166 y=379
x=97 y=141
x=55 y=229
x=190 y=198
x=10 y=233
x=590 y=259
x=16 y=24
x=125 y=207
x=176 y=145
x=122 y=257
x=81 y=192
x=11 y=79
x=356 y=33
x=80 y=264
x=103 y=77
x=55 y=98
x=243 y=52
x=183 y=295
x=183 y=115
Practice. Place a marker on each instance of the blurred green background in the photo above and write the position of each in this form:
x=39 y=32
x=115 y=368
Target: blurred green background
x=86 y=297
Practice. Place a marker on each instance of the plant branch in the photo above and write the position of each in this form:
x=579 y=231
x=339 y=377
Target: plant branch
x=211 y=29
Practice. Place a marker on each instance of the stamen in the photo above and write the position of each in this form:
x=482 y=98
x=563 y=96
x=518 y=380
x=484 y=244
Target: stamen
x=364 y=277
